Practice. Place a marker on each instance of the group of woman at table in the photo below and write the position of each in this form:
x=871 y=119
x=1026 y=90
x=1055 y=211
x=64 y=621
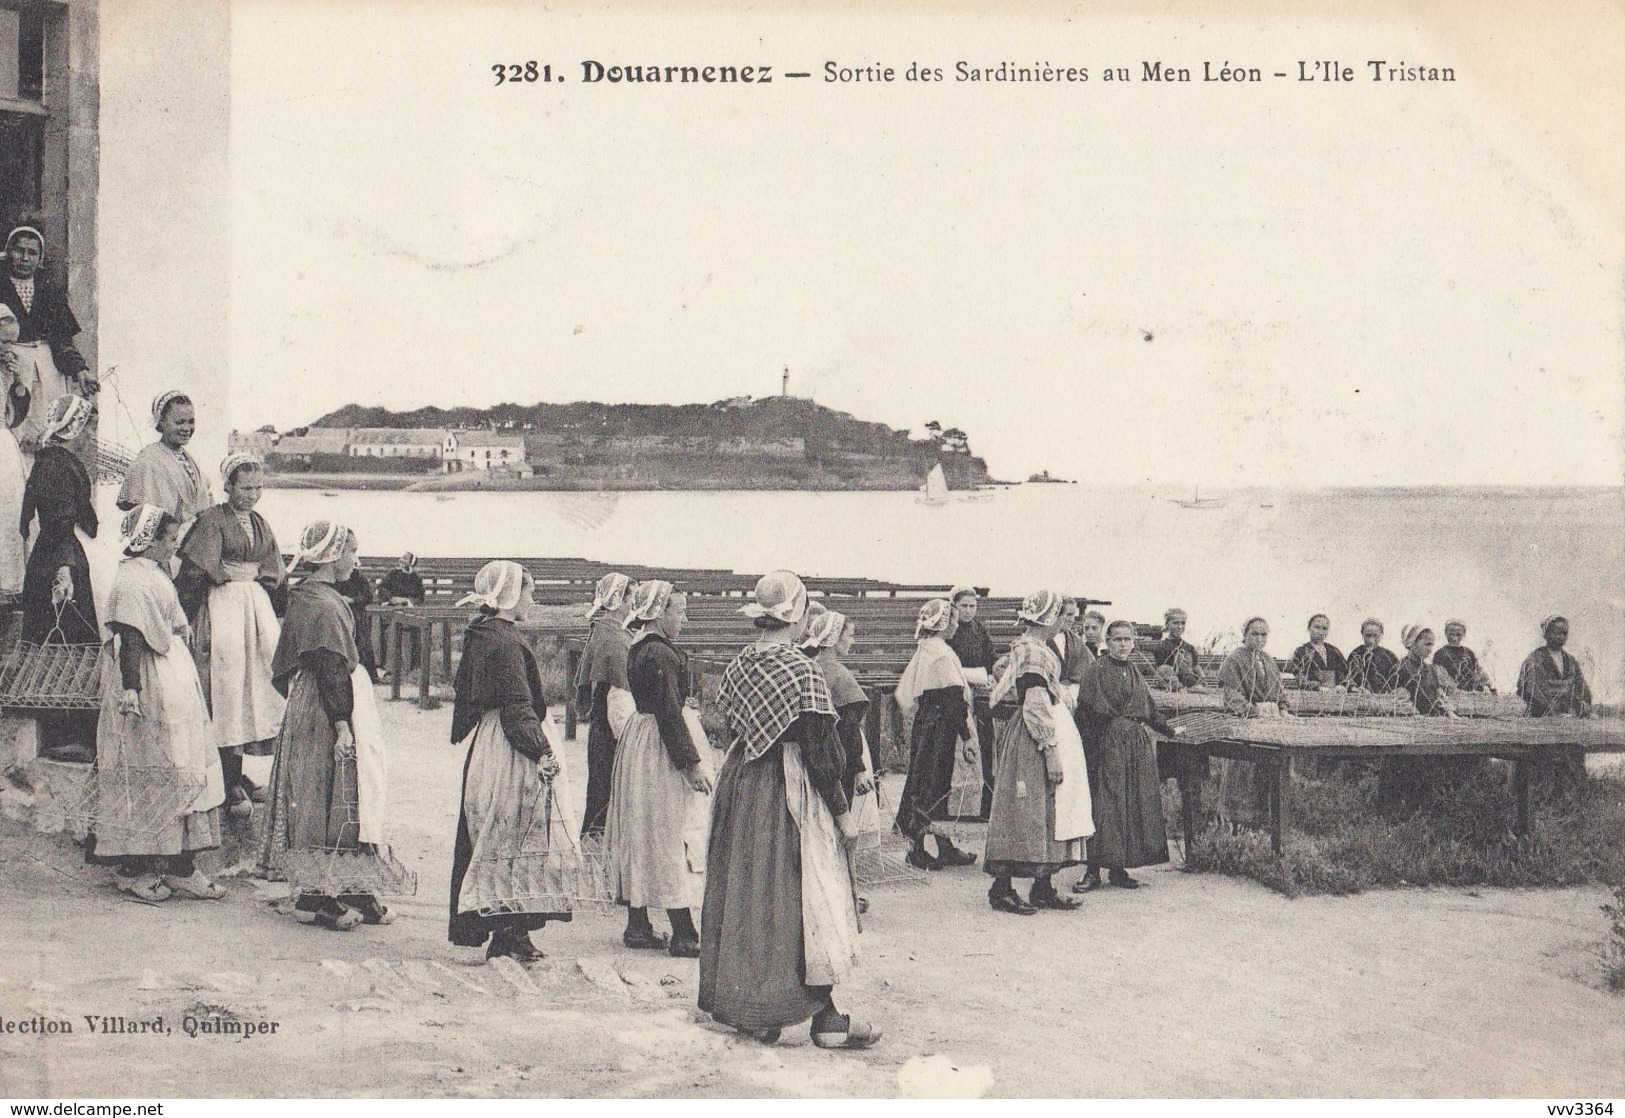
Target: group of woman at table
x=1087 y=708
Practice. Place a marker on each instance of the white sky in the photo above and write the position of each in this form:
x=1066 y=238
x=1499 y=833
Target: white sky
x=1346 y=285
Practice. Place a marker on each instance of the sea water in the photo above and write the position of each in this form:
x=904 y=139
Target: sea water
x=1498 y=559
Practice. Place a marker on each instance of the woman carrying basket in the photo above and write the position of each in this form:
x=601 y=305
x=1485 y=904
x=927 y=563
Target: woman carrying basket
x=507 y=870
x=328 y=783
x=154 y=730
x=58 y=605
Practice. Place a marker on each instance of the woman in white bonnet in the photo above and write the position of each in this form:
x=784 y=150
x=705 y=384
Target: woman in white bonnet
x=662 y=779
x=779 y=928
x=154 y=729
x=328 y=784
x=603 y=695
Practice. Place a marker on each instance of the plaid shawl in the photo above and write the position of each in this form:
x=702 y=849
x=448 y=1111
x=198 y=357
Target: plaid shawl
x=765 y=690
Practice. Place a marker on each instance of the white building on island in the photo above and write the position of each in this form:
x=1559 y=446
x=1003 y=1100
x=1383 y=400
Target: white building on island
x=483 y=450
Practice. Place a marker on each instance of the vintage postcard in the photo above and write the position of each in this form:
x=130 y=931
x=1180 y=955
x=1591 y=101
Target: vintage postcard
x=895 y=551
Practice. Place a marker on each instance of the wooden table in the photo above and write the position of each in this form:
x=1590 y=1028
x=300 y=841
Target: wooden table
x=397 y=621
x=1192 y=757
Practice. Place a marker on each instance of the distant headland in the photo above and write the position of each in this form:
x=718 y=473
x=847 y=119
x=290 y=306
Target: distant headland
x=778 y=442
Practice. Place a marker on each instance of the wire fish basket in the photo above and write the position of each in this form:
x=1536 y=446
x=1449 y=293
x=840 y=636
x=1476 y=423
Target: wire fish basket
x=878 y=855
x=878 y=862
x=1487 y=704
x=1390 y=733
x=336 y=871
x=126 y=805
x=1356 y=704
x=1184 y=702
x=51 y=677
x=546 y=868
x=108 y=461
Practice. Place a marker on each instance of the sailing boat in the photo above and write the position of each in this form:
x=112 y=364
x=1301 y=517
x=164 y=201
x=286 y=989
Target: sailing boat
x=1198 y=501
x=935 y=489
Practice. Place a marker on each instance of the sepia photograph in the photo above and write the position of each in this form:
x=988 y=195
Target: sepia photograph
x=663 y=551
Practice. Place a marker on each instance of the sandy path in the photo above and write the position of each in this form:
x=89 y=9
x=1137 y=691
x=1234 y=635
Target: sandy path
x=1194 y=986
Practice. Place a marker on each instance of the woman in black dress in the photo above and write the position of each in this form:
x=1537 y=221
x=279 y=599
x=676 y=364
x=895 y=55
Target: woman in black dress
x=1319 y=666
x=935 y=700
x=506 y=878
x=58 y=605
x=973 y=644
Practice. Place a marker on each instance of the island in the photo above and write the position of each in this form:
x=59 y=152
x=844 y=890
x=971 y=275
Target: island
x=778 y=442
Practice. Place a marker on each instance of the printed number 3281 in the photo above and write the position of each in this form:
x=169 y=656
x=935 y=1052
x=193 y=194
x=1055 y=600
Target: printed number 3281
x=515 y=72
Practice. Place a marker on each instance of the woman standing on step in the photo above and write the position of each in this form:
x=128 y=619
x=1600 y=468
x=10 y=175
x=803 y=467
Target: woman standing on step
x=163 y=473
x=328 y=783
x=506 y=870
x=779 y=928
x=936 y=703
x=155 y=745
x=1041 y=808
x=656 y=846
x=602 y=693
x=59 y=607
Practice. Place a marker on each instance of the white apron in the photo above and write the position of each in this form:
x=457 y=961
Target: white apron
x=1074 y=812
x=173 y=731
x=38 y=374
x=243 y=632
x=372 y=773
x=829 y=918
x=13 y=550
x=651 y=808
x=526 y=858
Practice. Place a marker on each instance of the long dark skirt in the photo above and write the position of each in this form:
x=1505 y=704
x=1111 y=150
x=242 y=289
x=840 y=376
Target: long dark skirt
x=985 y=741
x=77 y=623
x=60 y=730
x=933 y=744
x=752 y=964
x=600 y=763
x=1125 y=791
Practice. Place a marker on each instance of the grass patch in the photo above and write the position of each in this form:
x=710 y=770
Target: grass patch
x=1613 y=951
x=1341 y=844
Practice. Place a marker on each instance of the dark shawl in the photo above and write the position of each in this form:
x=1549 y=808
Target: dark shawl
x=50 y=321
x=1113 y=689
x=318 y=620
x=499 y=673
x=971 y=643
x=58 y=492
x=658 y=674
x=1551 y=690
x=217 y=538
x=1181 y=656
x=1250 y=677
x=1074 y=659
x=1373 y=669
x=603 y=660
x=1312 y=668
x=402 y=584
x=851 y=704
x=1421 y=682
x=1461 y=664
